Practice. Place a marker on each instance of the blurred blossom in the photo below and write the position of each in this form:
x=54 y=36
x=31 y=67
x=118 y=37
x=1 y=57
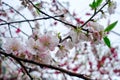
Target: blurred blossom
x=111 y=7
x=74 y=36
x=12 y=45
x=78 y=36
x=45 y=57
x=34 y=47
x=68 y=44
x=48 y=41
x=62 y=52
x=96 y=26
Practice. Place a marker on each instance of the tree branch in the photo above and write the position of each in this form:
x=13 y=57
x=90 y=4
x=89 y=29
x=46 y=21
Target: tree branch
x=56 y=18
x=28 y=20
x=96 y=12
x=18 y=13
x=6 y=23
x=46 y=65
x=24 y=68
x=115 y=33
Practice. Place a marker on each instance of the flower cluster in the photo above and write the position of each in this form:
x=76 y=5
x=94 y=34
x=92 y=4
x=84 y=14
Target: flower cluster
x=39 y=47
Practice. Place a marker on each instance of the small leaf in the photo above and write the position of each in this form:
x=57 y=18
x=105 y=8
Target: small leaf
x=38 y=11
x=95 y=4
x=37 y=5
x=98 y=2
x=107 y=41
x=111 y=26
x=59 y=35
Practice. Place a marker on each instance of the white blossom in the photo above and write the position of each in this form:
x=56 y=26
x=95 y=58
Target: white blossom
x=111 y=7
x=45 y=57
x=48 y=41
x=33 y=46
x=96 y=26
x=12 y=45
x=62 y=52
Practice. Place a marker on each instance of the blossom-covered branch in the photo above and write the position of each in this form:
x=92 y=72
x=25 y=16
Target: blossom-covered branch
x=45 y=65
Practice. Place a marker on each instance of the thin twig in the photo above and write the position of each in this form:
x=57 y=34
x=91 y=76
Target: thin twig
x=14 y=27
x=95 y=13
x=28 y=20
x=51 y=16
x=10 y=30
x=56 y=18
x=68 y=23
x=24 y=68
x=115 y=33
x=18 y=13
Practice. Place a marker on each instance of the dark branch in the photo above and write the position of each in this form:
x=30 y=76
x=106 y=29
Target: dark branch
x=28 y=20
x=13 y=27
x=56 y=18
x=45 y=65
x=51 y=16
x=10 y=30
x=24 y=68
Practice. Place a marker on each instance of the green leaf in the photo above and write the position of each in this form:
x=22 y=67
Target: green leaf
x=58 y=34
x=111 y=26
x=107 y=41
x=92 y=5
x=98 y=2
x=37 y=5
x=38 y=11
x=95 y=4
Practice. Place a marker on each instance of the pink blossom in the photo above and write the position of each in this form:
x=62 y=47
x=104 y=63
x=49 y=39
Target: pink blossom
x=48 y=41
x=45 y=57
x=12 y=45
x=34 y=47
x=78 y=36
x=62 y=52
x=68 y=44
x=18 y=30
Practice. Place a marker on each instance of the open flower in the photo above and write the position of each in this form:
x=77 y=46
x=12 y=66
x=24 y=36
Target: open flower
x=48 y=41
x=34 y=47
x=12 y=45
